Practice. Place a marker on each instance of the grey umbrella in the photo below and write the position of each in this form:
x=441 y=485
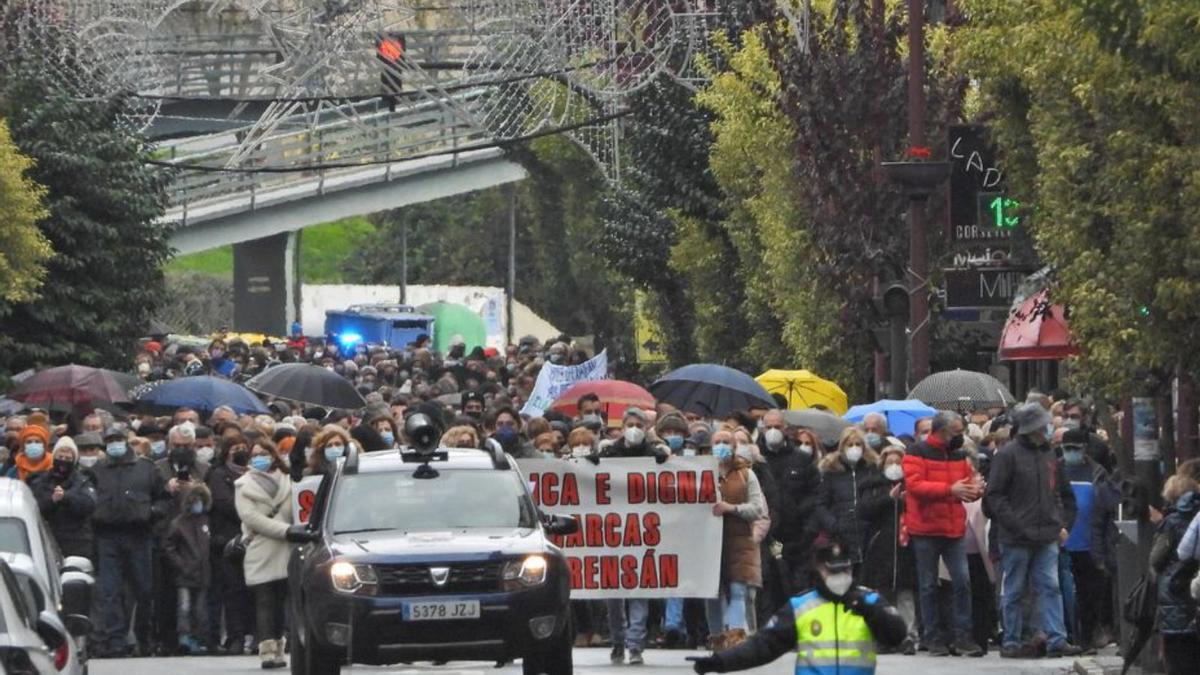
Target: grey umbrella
x=825 y=425
x=962 y=391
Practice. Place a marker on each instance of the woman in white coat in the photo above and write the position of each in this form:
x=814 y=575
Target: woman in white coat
x=263 y=497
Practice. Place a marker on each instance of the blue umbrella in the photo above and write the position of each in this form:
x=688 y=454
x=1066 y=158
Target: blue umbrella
x=202 y=393
x=902 y=416
x=711 y=390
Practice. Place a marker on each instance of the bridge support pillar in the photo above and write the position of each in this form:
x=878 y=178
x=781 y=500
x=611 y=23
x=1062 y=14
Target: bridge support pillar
x=266 y=285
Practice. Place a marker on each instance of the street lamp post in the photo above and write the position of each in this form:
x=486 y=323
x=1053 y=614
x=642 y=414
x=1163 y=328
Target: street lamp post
x=918 y=263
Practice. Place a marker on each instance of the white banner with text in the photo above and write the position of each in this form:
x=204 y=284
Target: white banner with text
x=646 y=530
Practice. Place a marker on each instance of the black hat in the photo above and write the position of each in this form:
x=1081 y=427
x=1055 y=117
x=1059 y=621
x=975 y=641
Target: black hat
x=469 y=396
x=1077 y=437
x=832 y=554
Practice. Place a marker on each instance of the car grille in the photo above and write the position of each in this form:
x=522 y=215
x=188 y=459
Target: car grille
x=474 y=577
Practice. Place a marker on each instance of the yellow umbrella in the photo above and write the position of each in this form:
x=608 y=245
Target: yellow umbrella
x=804 y=389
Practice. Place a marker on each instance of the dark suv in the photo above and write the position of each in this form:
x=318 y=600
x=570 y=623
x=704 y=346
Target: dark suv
x=428 y=556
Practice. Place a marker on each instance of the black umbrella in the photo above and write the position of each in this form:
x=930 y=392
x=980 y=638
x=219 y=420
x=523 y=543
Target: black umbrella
x=306 y=383
x=962 y=391
x=711 y=390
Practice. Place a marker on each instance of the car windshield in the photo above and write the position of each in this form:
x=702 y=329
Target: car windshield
x=13 y=536
x=454 y=500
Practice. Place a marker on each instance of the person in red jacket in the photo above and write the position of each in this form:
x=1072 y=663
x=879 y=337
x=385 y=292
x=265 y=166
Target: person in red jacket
x=937 y=480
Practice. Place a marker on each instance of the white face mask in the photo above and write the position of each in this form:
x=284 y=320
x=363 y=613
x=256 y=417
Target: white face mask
x=893 y=472
x=839 y=583
x=689 y=452
x=204 y=454
x=634 y=436
x=773 y=437
x=854 y=453
x=581 y=451
x=745 y=452
x=88 y=461
x=806 y=448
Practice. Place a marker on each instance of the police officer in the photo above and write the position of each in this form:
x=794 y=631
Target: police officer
x=833 y=628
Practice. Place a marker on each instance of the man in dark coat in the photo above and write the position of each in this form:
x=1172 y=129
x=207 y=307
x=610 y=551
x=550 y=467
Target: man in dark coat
x=130 y=494
x=229 y=581
x=180 y=471
x=1029 y=497
x=66 y=497
x=797 y=481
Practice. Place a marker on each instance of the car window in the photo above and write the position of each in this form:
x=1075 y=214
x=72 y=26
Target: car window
x=32 y=592
x=13 y=536
x=13 y=589
x=456 y=499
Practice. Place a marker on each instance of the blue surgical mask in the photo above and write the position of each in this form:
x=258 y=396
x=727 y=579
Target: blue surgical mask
x=674 y=442
x=874 y=440
x=116 y=449
x=197 y=508
x=722 y=451
x=1073 y=457
x=389 y=438
x=334 y=452
x=158 y=448
x=35 y=451
x=1050 y=431
x=260 y=463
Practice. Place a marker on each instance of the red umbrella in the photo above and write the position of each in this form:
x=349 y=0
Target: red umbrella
x=615 y=397
x=72 y=387
x=1038 y=330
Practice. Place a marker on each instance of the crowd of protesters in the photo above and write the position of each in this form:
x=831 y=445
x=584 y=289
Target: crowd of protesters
x=996 y=530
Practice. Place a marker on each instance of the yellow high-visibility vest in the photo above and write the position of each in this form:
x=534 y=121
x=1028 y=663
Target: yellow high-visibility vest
x=831 y=640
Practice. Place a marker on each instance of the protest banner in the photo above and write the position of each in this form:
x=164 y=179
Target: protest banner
x=553 y=380
x=646 y=530
x=304 y=495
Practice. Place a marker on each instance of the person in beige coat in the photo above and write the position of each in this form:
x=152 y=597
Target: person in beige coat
x=263 y=497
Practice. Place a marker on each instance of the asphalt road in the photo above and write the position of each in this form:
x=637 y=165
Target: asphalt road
x=594 y=662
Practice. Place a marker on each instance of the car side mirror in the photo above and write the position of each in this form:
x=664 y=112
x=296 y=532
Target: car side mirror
x=78 y=625
x=76 y=593
x=300 y=534
x=561 y=525
x=78 y=563
x=50 y=630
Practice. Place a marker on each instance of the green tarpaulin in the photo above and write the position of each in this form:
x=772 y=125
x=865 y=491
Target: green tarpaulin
x=452 y=320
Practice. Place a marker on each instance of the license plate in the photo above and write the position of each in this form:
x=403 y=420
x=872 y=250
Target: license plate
x=441 y=611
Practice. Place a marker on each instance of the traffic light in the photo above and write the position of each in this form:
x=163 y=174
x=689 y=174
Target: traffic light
x=390 y=49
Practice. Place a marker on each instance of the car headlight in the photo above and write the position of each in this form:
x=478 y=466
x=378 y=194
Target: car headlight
x=528 y=571
x=349 y=578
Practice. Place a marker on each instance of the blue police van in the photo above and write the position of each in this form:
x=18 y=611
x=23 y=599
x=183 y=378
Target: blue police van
x=386 y=324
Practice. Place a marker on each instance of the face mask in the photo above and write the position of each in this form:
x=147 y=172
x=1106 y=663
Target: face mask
x=116 y=449
x=158 y=448
x=506 y=435
x=308 y=453
x=744 y=452
x=689 y=452
x=806 y=448
x=88 y=461
x=1050 y=431
x=63 y=466
x=874 y=440
x=216 y=353
x=722 y=451
x=143 y=369
x=634 y=436
x=854 y=453
x=956 y=443
x=332 y=453
x=197 y=508
x=388 y=438
x=674 y=442
x=35 y=451
x=893 y=472
x=260 y=463
x=241 y=457
x=773 y=437
x=204 y=454
x=839 y=583
x=581 y=451
x=1073 y=457
x=183 y=456
x=136 y=424
x=1070 y=425
x=548 y=454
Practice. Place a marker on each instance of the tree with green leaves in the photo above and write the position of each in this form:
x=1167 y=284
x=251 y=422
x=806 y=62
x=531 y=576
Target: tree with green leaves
x=1102 y=138
x=104 y=208
x=23 y=248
